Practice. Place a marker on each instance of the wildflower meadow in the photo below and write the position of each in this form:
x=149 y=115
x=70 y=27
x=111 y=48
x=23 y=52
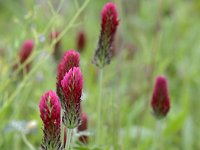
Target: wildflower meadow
x=99 y=75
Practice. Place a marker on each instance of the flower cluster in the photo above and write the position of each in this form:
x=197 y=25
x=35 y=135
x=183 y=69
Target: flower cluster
x=69 y=85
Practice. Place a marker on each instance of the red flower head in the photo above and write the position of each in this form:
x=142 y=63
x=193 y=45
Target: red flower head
x=57 y=47
x=109 y=23
x=72 y=85
x=24 y=53
x=83 y=127
x=50 y=110
x=81 y=40
x=26 y=50
x=70 y=60
x=160 y=100
x=109 y=19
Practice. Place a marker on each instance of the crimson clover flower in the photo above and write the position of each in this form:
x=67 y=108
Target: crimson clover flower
x=24 y=53
x=26 y=50
x=71 y=59
x=160 y=99
x=72 y=85
x=50 y=111
x=109 y=23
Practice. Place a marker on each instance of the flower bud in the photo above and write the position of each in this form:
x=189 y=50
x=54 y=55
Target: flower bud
x=160 y=99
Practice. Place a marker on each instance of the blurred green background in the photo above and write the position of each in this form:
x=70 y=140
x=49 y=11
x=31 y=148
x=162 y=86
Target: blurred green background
x=154 y=37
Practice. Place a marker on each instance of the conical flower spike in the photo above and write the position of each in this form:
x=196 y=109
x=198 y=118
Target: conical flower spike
x=72 y=85
x=50 y=110
x=160 y=99
x=70 y=60
x=109 y=23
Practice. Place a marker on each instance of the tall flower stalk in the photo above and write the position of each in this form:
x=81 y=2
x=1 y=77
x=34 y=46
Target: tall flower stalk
x=70 y=59
x=72 y=85
x=103 y=53
x=160 y=103
x=100 y=106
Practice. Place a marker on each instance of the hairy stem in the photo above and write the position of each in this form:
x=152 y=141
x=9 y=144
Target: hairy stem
x=157 y=138
x=62 y=130
x=99 y=106
x=69 y=133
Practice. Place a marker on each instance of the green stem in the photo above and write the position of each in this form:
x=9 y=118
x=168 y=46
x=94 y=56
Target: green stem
x=76 y=4
x=62 y=128
x=69 y=133
x=99 y=106
x=157 y=138
x=30 y=146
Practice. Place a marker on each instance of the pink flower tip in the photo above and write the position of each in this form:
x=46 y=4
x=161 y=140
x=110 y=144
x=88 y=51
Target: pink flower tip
x=71 y=59
x=109 y=18
x=160 y=99
x=50 y=109
x=72 y=84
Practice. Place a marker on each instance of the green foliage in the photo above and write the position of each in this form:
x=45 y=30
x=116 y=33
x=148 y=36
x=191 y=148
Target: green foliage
x=154 y=37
